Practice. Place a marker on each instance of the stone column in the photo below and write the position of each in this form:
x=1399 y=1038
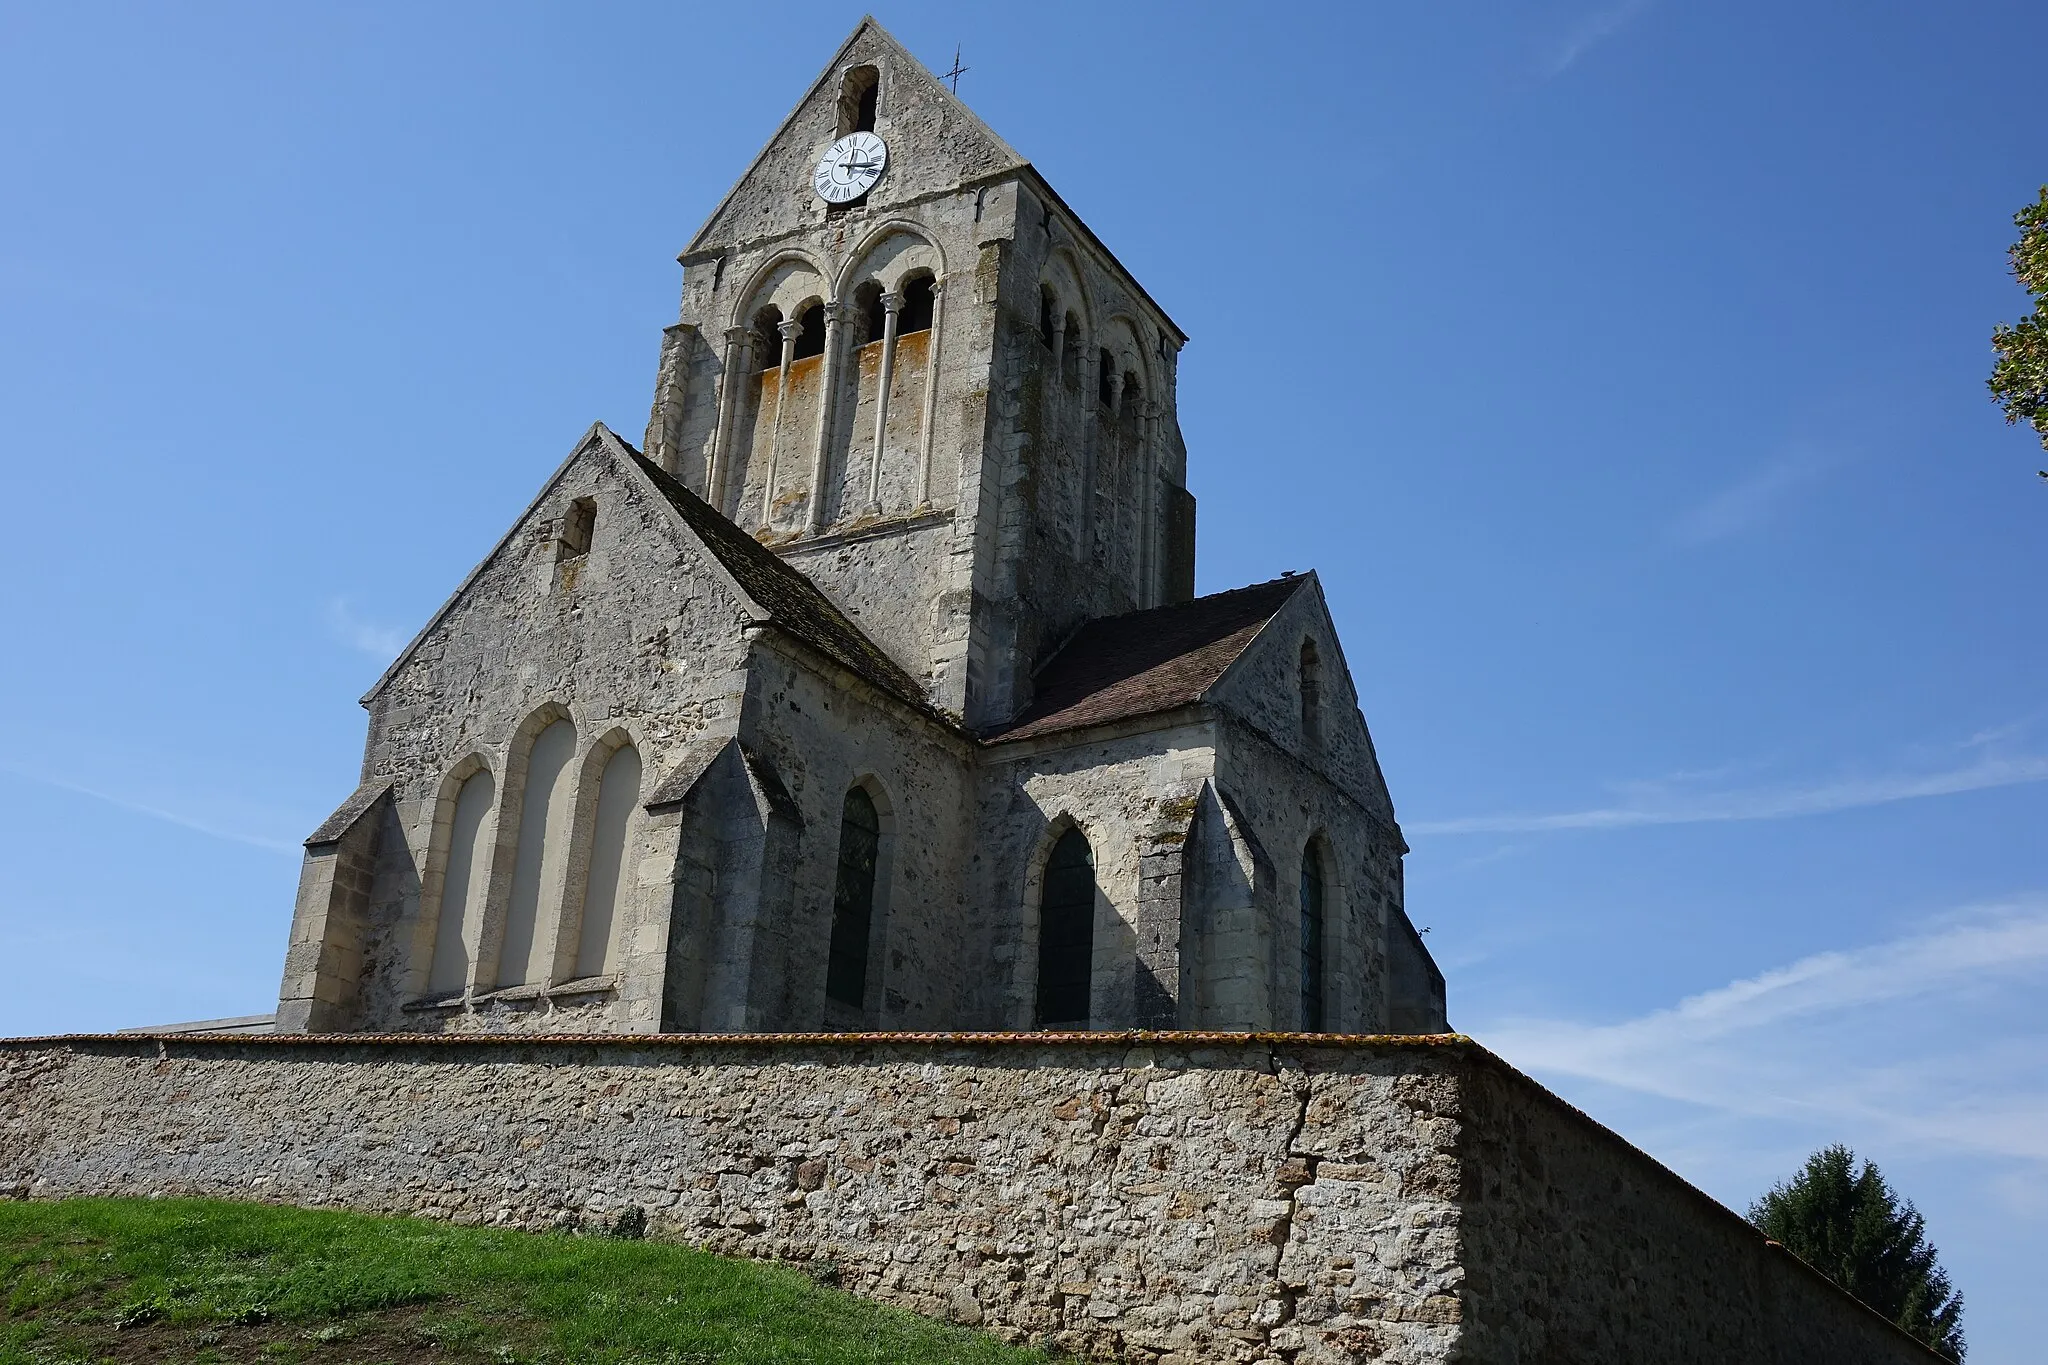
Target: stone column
x=1059 y=345
x=790 y=330
x=892 y=304
x=1084 y=542
x=931 y=392
x=1148 y=502
x=737 y=353
x=1107 y=469
x=828 y=402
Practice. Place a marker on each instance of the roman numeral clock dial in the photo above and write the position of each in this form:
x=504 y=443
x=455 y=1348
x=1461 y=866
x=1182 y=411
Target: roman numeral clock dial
x=850 y=168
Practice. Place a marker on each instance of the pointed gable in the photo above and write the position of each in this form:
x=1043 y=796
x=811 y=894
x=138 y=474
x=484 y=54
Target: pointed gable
x=935 y=144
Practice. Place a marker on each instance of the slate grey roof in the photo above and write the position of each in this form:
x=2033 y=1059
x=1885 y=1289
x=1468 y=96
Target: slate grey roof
x=790 y=600
x=1145 y=662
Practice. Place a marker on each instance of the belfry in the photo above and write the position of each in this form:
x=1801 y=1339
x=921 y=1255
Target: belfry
x=871 y=691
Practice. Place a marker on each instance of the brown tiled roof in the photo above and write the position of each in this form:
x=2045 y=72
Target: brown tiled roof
x=791 y=600
x=1146 y=661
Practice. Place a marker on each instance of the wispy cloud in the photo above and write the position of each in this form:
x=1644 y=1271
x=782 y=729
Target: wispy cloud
x=380 y=642
x=1589 y=32
x=1884 y=1040
x=200 y=823
x=1669 y=803
x=1751 y=501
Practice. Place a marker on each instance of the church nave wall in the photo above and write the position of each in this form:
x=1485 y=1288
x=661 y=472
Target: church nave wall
x=595 y=614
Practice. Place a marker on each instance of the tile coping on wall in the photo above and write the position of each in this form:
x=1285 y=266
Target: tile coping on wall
x=1120 y=1038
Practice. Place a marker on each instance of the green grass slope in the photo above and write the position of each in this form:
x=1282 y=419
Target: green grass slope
x=207 y=1280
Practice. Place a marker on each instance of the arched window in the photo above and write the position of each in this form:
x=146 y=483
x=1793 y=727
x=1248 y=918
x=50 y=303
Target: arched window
x=853 y=903
x=1066 y=933
x=618 y=792
x=462 y=886
x=538 y=858
x=1311 y=940
x=857 y=97
x=1311 y=694
x=917 y=306
x=1048 y=309
x=867 y=305
x=810 y=340
x=768 y=338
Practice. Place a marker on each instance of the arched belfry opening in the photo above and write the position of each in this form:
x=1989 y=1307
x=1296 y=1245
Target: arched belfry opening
x=1048 y=311
x=859 y=91
x=810 y=337
x=1066 y=933
x=919 y=296
x=768 y=338
x=867 y=306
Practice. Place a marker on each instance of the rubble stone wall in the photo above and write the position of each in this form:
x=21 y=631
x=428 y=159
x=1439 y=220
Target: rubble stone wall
x=1169 y=1198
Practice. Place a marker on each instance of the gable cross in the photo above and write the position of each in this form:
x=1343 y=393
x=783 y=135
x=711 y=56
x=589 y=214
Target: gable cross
x=957 y=71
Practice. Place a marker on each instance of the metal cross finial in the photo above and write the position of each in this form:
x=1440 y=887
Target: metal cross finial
x=957 y=71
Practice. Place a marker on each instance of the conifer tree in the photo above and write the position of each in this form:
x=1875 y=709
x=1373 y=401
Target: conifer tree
x=2019 y=380
x=1850 y=1225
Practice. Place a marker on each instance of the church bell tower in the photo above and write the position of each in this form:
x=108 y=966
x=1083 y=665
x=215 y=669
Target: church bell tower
x=905 y=365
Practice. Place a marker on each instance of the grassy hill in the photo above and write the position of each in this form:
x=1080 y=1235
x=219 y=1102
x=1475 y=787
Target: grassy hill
x=206 y=1280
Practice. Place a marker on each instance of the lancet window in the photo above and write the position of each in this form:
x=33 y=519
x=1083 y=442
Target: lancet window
x=1066 y=933
x=853 y=902
x=1312 y=939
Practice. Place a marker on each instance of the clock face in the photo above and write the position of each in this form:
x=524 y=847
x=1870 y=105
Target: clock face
x=851 y=168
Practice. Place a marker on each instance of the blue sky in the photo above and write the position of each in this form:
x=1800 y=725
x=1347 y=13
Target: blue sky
x=1619 y=365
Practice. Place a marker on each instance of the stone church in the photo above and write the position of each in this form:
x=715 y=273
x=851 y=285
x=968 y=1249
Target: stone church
x=871 y=692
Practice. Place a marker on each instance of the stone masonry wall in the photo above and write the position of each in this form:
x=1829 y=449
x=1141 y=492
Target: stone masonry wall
x=1169 y=1198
